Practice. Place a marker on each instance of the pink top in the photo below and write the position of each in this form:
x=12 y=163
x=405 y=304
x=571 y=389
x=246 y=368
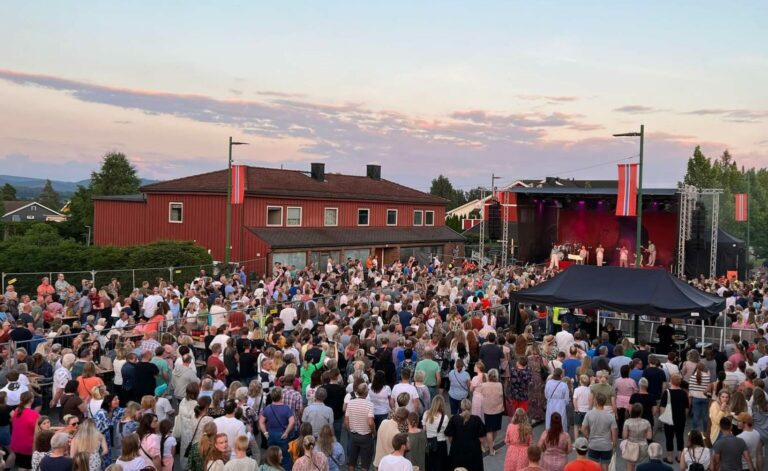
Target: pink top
x=23 y=431
x=625 y=387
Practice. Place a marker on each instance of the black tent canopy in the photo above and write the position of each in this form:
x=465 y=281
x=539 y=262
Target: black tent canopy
x=652 y=292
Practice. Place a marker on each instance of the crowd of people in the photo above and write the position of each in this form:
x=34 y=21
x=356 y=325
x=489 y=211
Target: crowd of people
x=355 y=366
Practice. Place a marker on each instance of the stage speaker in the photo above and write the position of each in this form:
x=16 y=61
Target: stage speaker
x=698 y=222
x=494 y=220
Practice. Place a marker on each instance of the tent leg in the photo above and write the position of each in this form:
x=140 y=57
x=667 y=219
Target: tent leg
x=702 y=336
x=598 y=324
x=636 y=328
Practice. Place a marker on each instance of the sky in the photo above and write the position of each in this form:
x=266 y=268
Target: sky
x=464 y=89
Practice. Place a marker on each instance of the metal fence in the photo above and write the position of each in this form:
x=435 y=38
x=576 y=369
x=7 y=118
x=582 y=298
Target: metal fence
x=704 y=334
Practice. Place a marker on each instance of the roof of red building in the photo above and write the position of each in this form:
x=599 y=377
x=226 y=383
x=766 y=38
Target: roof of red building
x=308 y=237
x=263 y=181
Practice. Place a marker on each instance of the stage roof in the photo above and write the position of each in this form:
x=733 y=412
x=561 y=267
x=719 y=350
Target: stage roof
x=589 y=191
x=651 y=292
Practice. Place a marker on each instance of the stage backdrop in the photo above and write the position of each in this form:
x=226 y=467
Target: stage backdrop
x=590 y=227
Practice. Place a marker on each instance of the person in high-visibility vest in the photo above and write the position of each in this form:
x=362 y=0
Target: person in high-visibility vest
x=556 y=324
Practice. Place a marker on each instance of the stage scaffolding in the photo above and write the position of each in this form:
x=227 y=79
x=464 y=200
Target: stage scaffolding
x=689 y=196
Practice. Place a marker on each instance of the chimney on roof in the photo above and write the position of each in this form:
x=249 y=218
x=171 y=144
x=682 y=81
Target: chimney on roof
x=373 y=172
x=318 y=171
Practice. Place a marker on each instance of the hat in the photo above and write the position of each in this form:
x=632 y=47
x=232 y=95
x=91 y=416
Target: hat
x=549 y=338
x=581 y=444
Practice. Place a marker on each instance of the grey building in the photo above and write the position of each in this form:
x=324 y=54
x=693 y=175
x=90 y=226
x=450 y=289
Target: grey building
x=18 y=211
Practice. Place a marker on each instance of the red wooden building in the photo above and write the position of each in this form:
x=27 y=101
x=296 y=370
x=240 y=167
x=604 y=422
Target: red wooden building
x=288 y=216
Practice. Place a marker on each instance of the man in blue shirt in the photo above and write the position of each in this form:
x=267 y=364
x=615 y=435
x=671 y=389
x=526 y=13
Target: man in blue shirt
x=405 y=317
x=637 y=371
x=605 y=342
x=572 y=363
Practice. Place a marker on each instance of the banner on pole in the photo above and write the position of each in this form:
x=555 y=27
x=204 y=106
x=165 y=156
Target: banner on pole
x=626 y=198
x=741 y=207
x=238 y=183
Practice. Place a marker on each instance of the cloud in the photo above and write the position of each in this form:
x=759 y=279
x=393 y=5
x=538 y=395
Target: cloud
x=732 y=115
x=549 y=98
x=637 y=109
x=235 y=91
x=465 y=144
x=122 y=122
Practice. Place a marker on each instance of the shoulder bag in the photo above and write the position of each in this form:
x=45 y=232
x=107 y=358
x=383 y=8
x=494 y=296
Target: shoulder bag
x=432 y=441
x=666 y=416
x=630 y=451
x=189 y=446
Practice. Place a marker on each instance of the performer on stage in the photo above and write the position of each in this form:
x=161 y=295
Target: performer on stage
x=554 y=258
x=624 y=257
x=599 y=253
x=651 y=254
x=583 y=253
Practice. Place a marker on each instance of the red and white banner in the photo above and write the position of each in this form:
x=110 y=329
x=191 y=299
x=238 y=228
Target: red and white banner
x=626 y=198
x=741 y=205
x=238 y=183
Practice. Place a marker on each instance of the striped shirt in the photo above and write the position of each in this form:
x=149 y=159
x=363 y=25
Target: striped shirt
x=696 y=389
x=358 y=413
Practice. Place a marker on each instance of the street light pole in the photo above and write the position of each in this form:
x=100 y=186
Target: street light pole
x=229 y=199
x=639 y=252
x=639 y=235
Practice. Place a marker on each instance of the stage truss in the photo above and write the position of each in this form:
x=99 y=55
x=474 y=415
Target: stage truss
x=689 y=196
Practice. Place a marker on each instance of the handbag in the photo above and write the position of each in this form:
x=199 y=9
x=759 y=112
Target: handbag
x=189 y=447
x=666 y=416
x=432 y=442
x=630 y=451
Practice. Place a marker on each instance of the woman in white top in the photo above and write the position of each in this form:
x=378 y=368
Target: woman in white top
x=696 y=452
x=435 y=421
x=117 y=366
x=380 y=395
x=130 y=460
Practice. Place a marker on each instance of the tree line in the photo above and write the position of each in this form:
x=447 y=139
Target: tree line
x=724 y=173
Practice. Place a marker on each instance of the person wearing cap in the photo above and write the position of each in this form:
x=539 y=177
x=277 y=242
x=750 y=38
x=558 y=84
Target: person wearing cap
x=581 y=463
x=729 y=451
x=655 y=452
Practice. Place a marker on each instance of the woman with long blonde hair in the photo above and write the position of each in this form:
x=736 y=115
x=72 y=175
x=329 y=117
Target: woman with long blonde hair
x=518 y=438
x=435 y=421
x=326 y=443
x=90 y=441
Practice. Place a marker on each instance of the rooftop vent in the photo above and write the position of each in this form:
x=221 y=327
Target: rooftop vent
x=318 y=171
x=373 y=172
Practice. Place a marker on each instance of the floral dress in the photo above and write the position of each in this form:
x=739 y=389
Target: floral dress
x=536 y=401
x=554 y=458
x=517 y=453
x=106 y=425
x=477 y=397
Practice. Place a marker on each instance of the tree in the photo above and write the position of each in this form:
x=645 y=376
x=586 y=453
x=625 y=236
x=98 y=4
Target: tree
x=81 y=207
x=8 y=192
x=115 y=177
x=442 y=187
x=48 y=197
x=700 y=171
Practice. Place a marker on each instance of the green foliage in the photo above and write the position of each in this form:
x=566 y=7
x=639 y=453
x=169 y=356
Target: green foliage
x=723 y=173
x=48 y=197
x=442 y=187
x=454 y=223
x=42 y=249
x=8 y=193
x=115 y=177
x=80 y=214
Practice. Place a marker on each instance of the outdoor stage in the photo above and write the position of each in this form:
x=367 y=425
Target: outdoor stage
x=586 y=216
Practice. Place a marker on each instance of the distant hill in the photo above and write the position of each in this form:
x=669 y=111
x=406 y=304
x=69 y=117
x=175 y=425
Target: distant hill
x=29 y=188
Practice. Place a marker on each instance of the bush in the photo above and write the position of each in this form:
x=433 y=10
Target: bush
x=41 y=250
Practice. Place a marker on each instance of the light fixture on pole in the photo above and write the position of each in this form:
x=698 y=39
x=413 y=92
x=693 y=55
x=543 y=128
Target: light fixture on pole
x=228 y=247
x=639 y=236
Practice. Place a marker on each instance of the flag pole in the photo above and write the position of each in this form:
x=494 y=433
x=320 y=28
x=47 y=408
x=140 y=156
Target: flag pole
x=749 y=203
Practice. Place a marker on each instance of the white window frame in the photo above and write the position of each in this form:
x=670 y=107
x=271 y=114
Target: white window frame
x=282 y=214
x=301 y=216
x=33 y=208
x=397 y=215
x=170 y=208
x=425 y=218
x=414 y=217
x=336 y=210
x=368 y=210
x=31 y=216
